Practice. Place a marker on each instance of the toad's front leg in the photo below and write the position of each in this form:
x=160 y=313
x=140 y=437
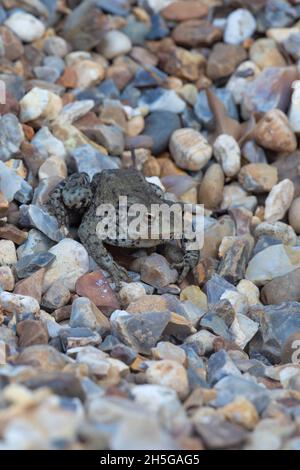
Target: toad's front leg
x=102 y=257
x=188 y=263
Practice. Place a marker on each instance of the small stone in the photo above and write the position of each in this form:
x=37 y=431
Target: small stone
x=156 y=271
x=211 y=187
x=90 y=161
x=228 y=153
x=88 y=73
x=7 y=280
x=40 y=103
x=10 y=232
x=195 y=33
x=60 y=383
x=29 y=264
x=258 y=177
x=18 y=304
x=48 y=145
x=165 y=350
x=31 y=332
x=115 y=43
x=160 y=125
x=278 y=231
x=85 y=314
x=56 y=46
x=250 y=291
x=237 y=84
x=36 y=242
x=31 y=286
x=234 y=263
x=43 y=356
x=84 y=26
x=71 y=263
x=169 y=374
x=184 y=10
x=27 y=27
x=219 y=366
x=241 y=411
x=190 y=149
x=96 y=287
x=282 y=289
x=223 y=60
x=221 y=435
x=53 y=166
x=264 y=53
x=131 y=293
x=112 y=138
x=258 y=99
x=279 y=201
x=56 y=296
x=274 y=261
x=148 y=303
x=4 y=205
x=214 y=234
x=11 y=136
x=241 y=25
x=279 y=323
x=12 y=46
x=159 y=99
x=294 y=215
x=8 y=255
x=275 y=123
x=140 y=332
x=194 y=295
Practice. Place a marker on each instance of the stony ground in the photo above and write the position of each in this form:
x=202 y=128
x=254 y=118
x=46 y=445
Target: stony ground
x=204 y=91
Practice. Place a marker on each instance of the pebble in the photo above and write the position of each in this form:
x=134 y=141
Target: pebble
x=40 y=103
x=189 y=149
x=48 y=145
x=227 y=152
x=242 y=412
x=160 y=125
x=223 y=60
x=57 y=296
x=170 y=374
x=282 y=289
x=184 y=10
x=70 y=264
x=162 y=100
x=250 y=291
x=157 y=272
x=168 y=351
x=115 y=43
x=131 y=293
x=18 y=304
x=277 y=230
x=31 y=332
x=56 y=46
x=195 y=33
x=219 y=366
x=211 y=187
x=96 y=287
x=274 y=261
x=275 y=123
x=240 y=25
x=26 y=26
x=264 y=53
x=294 y=215
x=7 y=280
x=279 y=201
x=29 y=264
x=8 y=254
x=11 y=135
x=32 y=285
x=258 y=177
x=85 y=314
x=194 y=295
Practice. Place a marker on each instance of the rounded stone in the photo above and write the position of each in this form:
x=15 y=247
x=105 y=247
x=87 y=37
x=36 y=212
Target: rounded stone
x=115 y=43
x=264 y=53
x=294 y=215
x=240 y=25
x=131 y=293
x=279 y=200
x=190 y=149
x=228 y=153
x=211 y=187
x=169 y=374
x=274 y=132
x=160 y=125
x=27 y=27
x=258 y=177
x=8 y=254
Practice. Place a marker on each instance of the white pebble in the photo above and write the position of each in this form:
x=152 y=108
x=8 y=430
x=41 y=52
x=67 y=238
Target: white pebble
x=279 y=200
x=14 y=303
x=8 y=254
x=115 y=43
x=227 y=152
x=27 y=27
x=241 y=25
x=190 y=149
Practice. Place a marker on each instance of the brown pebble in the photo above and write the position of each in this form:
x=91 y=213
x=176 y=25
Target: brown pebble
x=273 y=132
x=10 y=232
x=195 y=33
x=258 y=177
x=184 y=10
x=32 y=285
x=62 y=313
x=31 y=332
x=95 y=287
x=211 y=187
x=224 y=59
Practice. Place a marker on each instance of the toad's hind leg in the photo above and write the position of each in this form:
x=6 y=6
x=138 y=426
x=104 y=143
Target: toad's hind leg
x=102 y=257
x=188 y=263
